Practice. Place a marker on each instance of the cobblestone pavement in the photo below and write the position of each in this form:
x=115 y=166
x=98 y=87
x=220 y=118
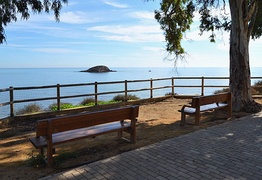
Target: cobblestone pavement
x=232 y=150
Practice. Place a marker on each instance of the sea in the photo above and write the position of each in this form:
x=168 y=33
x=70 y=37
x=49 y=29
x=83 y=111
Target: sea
x=30 y=77
x=23 y=77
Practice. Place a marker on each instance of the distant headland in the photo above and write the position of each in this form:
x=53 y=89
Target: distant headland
x=98 y=69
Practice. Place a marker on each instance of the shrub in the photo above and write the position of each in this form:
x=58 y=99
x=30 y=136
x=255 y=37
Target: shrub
x=29 y=109
x=170 y=94
x=121 y=97
x=254 y=90
x=221 y=91
x=91 y=102
x=88 y=101
x=258 y=83
x=257 y=87
x=54 y=106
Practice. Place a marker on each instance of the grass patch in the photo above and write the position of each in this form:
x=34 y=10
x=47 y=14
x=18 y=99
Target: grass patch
x=107 y=102
x=36 y=161
x=39 y=161
x=54 y=107
x=63 y=157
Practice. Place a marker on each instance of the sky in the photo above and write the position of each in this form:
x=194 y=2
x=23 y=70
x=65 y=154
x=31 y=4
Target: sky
x=114 y=33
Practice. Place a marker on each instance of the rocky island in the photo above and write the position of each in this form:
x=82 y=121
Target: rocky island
x=98 y=69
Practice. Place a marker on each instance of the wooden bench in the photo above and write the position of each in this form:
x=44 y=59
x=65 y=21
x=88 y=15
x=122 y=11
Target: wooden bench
x=54 y=131
x=206 y=103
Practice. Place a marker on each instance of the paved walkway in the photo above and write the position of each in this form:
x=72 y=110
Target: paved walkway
x=228 y=151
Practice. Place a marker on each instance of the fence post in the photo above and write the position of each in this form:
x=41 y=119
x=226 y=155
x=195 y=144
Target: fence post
x=126 y=91
x=151 y=88
x=96 y=91
x=203 y=84
x=173 y=86
x=11 y=101
x=58 y=97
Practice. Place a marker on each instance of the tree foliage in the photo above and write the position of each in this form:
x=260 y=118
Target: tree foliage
x=241 y=17
x=257 y=30
x=176 y=16
x=10 y=10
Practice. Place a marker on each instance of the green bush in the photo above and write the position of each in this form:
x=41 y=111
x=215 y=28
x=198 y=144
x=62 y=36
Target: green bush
x=91 y=102
x=88 y=102
x=107 y=102
x=29 y=109
x=121 y=97
x=54 y=106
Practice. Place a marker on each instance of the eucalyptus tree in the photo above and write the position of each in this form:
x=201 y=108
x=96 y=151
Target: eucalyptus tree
x=11 y=10
x=242 y=18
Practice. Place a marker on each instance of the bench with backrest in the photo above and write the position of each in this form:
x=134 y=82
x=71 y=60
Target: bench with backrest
x=206 y=103
x=54 y=131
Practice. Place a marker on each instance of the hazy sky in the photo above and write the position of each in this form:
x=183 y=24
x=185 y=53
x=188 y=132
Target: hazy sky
x=115 y=33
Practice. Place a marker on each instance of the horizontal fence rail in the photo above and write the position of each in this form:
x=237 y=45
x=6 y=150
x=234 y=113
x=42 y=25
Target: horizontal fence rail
x=148 y=88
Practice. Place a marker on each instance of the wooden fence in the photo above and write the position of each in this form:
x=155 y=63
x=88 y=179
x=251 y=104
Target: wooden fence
x=151 y=88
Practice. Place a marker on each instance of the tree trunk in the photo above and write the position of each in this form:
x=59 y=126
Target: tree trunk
x=240 y=85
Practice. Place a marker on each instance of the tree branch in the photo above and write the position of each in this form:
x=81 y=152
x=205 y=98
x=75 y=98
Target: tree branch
x=253 y=16
x=251 y=8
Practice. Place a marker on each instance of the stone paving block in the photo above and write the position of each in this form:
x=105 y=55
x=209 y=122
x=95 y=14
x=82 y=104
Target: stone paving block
x=160 y=178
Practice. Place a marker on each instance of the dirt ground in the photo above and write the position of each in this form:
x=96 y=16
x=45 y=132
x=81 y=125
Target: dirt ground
x=156 y=122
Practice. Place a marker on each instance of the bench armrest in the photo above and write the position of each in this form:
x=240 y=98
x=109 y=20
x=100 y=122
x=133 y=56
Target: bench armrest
x=182 y=109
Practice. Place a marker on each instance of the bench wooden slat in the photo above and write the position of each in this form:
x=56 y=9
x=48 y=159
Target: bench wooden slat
x=216 y=98
x=61 y=124
x=77 y=134
x=191 y=110
x=89 y=132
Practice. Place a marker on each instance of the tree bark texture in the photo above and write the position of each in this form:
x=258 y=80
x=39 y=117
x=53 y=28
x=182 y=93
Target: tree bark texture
x=240 y=84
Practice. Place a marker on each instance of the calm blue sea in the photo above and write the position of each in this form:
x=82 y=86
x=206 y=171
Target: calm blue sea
x=24 y=77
